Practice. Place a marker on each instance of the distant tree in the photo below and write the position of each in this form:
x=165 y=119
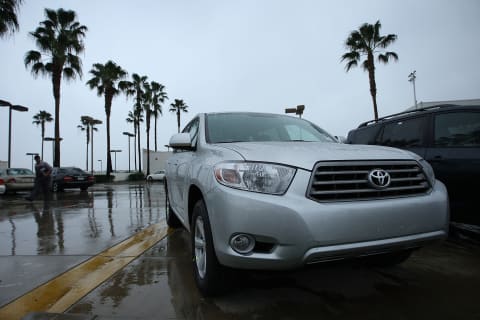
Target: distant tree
x=107 y=79
x=152 y=99
x=85 y=126
x=136 y=88
x=135 y=117
x=60 y=40
x=176 y=107
x=159 y=97
x=8 y=16
x=367 y=41
x=40 y=119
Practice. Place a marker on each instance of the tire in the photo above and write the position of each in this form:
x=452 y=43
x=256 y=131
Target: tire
x=389 y=259
x=149 y=179
x=83 y=188
x=170 y=217
x=210 y=277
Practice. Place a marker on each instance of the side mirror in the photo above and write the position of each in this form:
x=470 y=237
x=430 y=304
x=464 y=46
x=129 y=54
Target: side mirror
x=341 y=139
x=180 y=141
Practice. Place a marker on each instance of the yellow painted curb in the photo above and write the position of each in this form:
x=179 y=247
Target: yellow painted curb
x=63 y=291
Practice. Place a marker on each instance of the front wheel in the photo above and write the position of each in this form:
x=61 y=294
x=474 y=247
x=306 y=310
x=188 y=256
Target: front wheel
x=210 y=276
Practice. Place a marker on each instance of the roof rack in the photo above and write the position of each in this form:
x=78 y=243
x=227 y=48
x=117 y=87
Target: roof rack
x=364 y=124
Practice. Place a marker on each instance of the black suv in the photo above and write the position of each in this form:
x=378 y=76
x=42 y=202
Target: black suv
x=448 y=137
x=70 y=177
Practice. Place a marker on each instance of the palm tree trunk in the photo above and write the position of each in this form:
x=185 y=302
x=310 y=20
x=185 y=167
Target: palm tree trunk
x=178 y=119
x=108 y=106
x=88 y=136
x=134 y=142
x=56 y=79
x=155 y=134
x=373 y=85
x=139 y=151
x=148 y=141
x=43 y=136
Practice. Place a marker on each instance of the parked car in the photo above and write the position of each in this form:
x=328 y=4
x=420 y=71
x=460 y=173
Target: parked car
x=70 y=178
x=157 y=175
x=274 y=192
x=17 y=179
x=448 y=137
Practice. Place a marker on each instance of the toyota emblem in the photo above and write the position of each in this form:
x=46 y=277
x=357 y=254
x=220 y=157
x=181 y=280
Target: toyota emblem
x=379 y=178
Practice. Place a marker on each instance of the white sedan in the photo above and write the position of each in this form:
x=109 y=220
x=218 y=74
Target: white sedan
x=157 y=175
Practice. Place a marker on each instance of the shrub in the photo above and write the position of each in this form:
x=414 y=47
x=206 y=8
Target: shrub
x=137 y=176
x=102 y=178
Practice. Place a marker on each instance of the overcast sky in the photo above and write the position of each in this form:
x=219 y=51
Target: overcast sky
x=250 y=55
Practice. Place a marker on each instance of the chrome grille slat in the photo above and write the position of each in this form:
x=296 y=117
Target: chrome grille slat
x=348 y=180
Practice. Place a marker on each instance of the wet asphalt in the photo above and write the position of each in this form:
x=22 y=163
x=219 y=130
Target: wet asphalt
x=39 y=242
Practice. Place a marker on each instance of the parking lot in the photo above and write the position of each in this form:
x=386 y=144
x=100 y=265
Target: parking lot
x=153 y=279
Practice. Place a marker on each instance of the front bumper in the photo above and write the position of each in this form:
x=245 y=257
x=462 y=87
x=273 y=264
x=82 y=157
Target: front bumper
x=302 y=231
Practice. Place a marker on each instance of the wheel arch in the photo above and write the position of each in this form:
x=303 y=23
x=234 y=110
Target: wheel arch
x=194 y=194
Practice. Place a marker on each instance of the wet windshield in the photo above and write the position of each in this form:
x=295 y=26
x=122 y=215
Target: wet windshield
x=247 y=127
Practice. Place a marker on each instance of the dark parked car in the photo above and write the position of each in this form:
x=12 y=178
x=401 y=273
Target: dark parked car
x=70 y=177
x=448 y=137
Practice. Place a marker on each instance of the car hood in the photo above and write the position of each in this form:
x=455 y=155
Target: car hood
x=306 y=154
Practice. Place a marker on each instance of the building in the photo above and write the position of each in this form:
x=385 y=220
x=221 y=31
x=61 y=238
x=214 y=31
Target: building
x=158 y=160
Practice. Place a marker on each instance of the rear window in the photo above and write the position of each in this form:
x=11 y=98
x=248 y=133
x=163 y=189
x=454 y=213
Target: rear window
x=246 y=127
x=18 y=172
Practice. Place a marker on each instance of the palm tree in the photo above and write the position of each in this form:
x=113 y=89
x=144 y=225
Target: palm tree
x=135 y=117
x=367 y=41
x=178 y=106
x=8 y=16
x=159 y=97
x=85 y=126
x=40 y=119
x=107 y=79
x=136 y=88
x=60 y=40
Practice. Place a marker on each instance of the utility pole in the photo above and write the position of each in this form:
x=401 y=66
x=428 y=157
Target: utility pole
x=411 y=78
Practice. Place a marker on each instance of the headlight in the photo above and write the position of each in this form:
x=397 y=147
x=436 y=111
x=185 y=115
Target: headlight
x=428 y=170
x=255 y=176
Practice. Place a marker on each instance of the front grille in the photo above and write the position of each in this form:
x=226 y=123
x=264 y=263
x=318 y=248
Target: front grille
x=348 y=180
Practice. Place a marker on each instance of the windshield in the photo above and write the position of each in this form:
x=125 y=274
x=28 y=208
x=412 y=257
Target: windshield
x=247 y=127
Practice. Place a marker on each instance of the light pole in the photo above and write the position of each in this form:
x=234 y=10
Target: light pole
x=4 y=103
x=33 y=154
x=411 y=78
x=129 y=136
x=101 y=166
x=298 y=110
x=53 y=145
x=115 y=152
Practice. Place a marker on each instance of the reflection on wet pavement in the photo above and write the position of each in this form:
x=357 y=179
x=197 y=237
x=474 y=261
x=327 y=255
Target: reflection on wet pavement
x=160 y=285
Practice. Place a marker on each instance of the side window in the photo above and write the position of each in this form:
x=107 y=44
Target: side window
x=404 y=133
x=457 y=129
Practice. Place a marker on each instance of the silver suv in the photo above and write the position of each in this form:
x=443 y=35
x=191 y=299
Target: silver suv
x=274 y=192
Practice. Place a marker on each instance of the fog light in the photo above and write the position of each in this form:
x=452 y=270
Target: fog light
x=242 y=243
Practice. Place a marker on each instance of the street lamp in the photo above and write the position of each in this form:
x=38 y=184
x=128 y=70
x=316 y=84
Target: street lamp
x=115 y=152
x=101 y=166
x=33 y=154
x=11 y=107
x=411 y=78
x=129 y=136
x=298 y=110
x=53 y=145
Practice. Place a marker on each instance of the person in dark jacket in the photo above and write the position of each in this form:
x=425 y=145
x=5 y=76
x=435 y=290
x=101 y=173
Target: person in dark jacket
x=42 y=180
